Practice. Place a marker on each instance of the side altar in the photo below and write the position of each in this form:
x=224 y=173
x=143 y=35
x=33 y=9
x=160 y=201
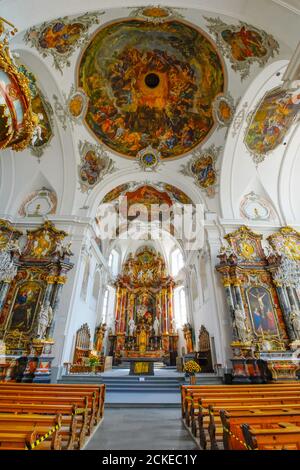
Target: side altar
x=262 y=289
x=32 y=279
x=144 y=322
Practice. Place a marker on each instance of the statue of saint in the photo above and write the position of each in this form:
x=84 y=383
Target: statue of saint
x=142 y=340
x=156 y=326
x=295 y=321
x=240 y=324
x=44 y=320
x=131 y=325
x=100 y=332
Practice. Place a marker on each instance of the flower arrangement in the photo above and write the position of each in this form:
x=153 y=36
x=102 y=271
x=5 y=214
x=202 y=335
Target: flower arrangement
x=93 y=359
x=191 y=367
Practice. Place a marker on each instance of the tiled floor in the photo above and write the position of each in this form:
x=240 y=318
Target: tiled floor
x=141 y=429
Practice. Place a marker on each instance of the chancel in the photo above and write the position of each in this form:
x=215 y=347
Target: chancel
x=149 y=226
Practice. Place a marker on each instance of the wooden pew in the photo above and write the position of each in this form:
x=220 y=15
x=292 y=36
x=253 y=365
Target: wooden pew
x=286 y=438
x=33 y=433
x=192 y=401
x=215 y=405
x=56 y=398
x=16 y=441
x=186 y=390
x=98 y=389
x=74 y=419
x=263 y=419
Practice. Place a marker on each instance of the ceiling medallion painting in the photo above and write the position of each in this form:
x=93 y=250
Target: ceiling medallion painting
x=76 y=104
x=155 y=14
x=255 y=207
x=270 y=122
x=148 y=159
x=43 y=132
x=61 y=37
x=72 y=108
x=224 y=109
x=94 y=165
x=243 y=44
x=151 y=85
x=39 y=203
x=202 y=168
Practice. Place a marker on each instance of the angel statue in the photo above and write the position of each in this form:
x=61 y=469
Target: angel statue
x=14 y=246
x=295 y=321
x=44 y=320
x=64 y=250
x=156 y=326
x=131 y=325
x=239 y=323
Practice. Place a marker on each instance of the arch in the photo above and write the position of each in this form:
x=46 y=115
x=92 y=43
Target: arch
x=131 y=174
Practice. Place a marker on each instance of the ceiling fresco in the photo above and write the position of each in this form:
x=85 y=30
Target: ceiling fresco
x=163 y=193
x=61 y=37
x=151 y=86
x=271 y=121
x=243 y=44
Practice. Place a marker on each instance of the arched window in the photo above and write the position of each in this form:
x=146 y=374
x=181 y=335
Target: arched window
x=113 y=262
x=180 y=307
x=177 y=262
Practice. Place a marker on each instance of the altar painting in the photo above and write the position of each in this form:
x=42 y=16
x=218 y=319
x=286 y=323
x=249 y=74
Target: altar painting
x=261 y=310
x=145 y=308
x=25 y=305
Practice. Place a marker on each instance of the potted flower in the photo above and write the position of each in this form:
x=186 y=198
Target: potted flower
x=191 y=368
x=93 y=360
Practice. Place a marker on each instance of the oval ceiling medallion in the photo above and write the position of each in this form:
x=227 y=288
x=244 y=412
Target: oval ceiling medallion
x=151 y=85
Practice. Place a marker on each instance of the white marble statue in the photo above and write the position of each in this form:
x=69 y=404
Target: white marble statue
x=45 y=319
x=295 y=321
x=156 y=326
x=64 y=250
x=240 y=324
x=14 y=246
x=131 y=325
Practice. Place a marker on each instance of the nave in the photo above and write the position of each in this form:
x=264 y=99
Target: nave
x=140 y=429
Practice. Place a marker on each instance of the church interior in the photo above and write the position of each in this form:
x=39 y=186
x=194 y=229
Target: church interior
x=149 y=225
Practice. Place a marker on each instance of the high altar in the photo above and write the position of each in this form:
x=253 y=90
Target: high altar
x=144 y=323
x=263 y=297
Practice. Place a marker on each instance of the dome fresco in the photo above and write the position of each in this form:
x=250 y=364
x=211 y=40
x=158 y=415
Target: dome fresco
x=151 y=85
